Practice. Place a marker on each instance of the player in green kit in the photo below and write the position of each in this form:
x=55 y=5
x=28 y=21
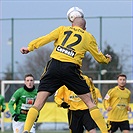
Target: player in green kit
x=2 y=105
x=23 y=98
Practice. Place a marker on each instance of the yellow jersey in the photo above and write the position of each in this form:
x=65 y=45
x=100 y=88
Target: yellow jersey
x=65 y=95
x=119 y=100
x=70 y=45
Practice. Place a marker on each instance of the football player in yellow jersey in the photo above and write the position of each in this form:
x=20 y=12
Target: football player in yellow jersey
x=116 y=102
x=71 y=43
x=78 y=114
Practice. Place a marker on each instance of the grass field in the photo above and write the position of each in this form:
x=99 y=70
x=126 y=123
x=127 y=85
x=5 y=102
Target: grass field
x=64 y=131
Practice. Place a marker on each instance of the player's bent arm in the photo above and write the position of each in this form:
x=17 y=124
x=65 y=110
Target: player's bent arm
x=100 y=58
x=97 y=54
x=11 y=107
x=12 y=102
x=105 y=104
x=41 y=41
x=129 y=98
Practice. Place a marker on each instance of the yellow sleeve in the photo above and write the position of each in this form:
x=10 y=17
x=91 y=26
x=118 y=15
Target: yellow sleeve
x=96 y=53
x=98 y=93
x=58 y=98
x=105 y=104
x=129 y=99
x=52 y=36
x=106 y=100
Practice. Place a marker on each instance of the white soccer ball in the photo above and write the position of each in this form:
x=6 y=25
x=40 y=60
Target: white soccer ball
x=74 y=12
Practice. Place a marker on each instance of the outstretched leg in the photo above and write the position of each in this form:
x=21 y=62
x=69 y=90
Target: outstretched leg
x=34 y=110
x=94 y=112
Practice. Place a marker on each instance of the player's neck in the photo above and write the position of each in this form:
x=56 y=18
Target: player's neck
x=121 y=87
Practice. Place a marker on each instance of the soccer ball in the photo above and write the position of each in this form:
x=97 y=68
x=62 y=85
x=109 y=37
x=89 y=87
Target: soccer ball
x=74 y=12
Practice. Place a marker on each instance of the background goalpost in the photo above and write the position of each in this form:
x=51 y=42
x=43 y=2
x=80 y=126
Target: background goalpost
x=12 y=82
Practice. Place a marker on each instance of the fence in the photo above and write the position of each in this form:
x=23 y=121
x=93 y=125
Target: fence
x=17 y=32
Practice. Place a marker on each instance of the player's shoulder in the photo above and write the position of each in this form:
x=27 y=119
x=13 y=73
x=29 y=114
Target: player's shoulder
x=20 y=90
x=1 y=97
x=127 y=90
x=90 y=36
x=111 y=90
x=63 y=27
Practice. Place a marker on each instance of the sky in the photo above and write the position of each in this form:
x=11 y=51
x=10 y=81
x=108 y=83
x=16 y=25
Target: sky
x=115 y=31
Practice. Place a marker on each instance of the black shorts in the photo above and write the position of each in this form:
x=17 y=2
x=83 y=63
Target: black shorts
x=59 y=73
x=80 y=119
x=124 y=125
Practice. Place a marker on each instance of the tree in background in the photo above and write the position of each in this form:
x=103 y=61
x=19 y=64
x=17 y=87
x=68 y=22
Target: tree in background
x=8 y=73
x=34 y=63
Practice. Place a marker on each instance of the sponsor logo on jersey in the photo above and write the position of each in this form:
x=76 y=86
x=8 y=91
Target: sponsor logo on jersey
x=107 y=97
x=66 y=51
x=73 y=97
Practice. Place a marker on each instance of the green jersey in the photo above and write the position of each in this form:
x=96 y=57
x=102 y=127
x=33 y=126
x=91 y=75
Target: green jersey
x=2 y=103
x=21 y=101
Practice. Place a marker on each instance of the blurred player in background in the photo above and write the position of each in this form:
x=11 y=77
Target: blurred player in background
x=78 y=113
x=23 y=99
x=2 y=105
x=116 y=102
x=71 y=44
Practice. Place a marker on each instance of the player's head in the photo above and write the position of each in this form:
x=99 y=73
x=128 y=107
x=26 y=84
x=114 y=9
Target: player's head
x=122 y=75
x=79 y=22
x=121 y=79
x=29 y=80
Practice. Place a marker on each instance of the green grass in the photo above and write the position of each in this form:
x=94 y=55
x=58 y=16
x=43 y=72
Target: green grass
x=65 y=131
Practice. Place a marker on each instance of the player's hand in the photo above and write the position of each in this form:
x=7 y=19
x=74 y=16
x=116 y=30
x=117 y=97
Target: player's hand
x=108 y=56
x=129 y=109
x=24 y=50
x=109 y=108
x=65 y=105
x=16 y=117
